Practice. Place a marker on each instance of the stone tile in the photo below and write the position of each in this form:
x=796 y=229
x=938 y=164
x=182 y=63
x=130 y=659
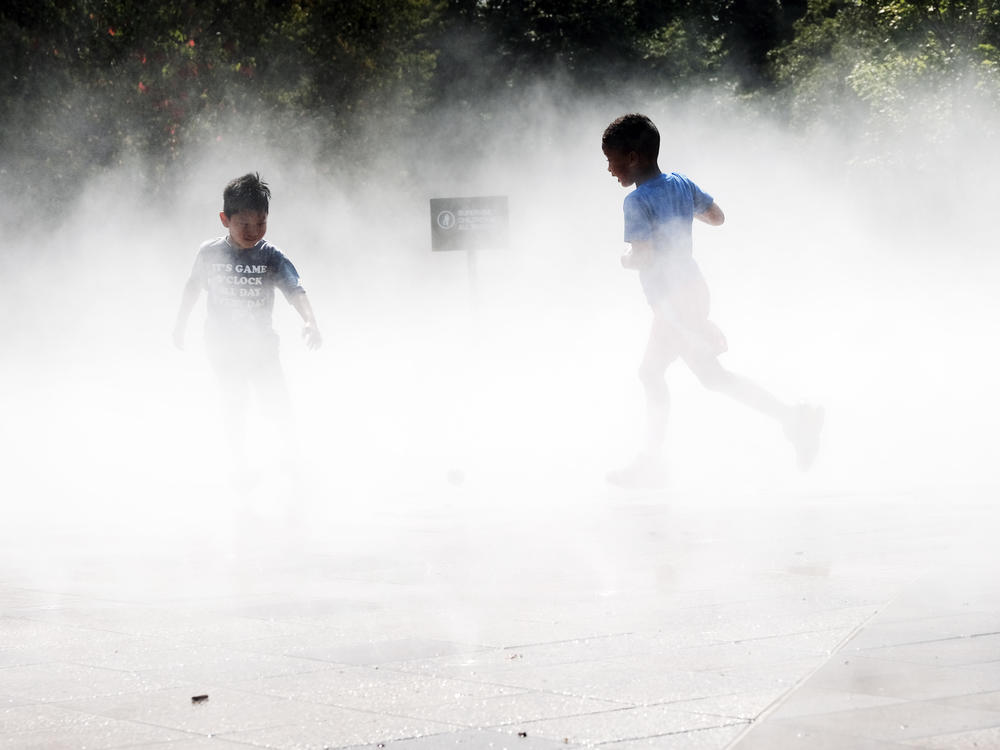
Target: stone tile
x=189 y=743
x=9 y=701
x=922 y=629
x=103 y=650
x=745 y=706
x=59 y=682
x=978 y=739
x=96 y=733
x=781 y=676
x=511 y=710
x=814 y=643
x=23 y=657
x=491 y=632
x=224 y=711
x=212 y=630
x=624 y=724
x=339 y=600
x=39 y=635
x=899 y=721
x=374 y=689
x=221 y=667
x=949 y=652
x=385 y=651
x=40 y=717
x=666 y=635
x=473 y=740
x=767 y=623
x=809 y=700
x=731 y=655
x=718 y=738
x=788 y=735
x=343 y=728
x=19 y=601
x=622 y=682
x=472 y=665
x=183 y=622
x=904 y=681
x=118 y=617
x=988 y=701
x=151 y=656
x=954 y=599
x=316 y=638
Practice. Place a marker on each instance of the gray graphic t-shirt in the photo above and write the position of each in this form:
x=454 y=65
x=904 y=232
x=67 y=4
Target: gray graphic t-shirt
x=240 y=284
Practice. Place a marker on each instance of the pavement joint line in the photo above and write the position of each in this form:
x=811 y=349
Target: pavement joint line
x=943 y=639
x=536 y=644
x=611 y=743
x=780 y=701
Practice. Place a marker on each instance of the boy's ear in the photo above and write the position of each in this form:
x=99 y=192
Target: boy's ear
x=224 y=219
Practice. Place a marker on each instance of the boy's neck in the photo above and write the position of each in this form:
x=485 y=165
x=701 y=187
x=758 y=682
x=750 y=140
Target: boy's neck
x=647 y=172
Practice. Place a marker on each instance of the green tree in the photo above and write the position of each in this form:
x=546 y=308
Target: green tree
x=877 y=53
x=88 y=82
x=501 y=45
x=751 y=30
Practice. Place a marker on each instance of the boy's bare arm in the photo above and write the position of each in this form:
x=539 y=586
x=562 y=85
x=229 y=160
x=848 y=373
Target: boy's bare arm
x=188 y=298
x=712 y=215
x=310 y=332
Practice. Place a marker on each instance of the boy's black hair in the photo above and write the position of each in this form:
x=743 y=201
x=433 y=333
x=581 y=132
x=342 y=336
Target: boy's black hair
x=246 y=193
x=633 y=132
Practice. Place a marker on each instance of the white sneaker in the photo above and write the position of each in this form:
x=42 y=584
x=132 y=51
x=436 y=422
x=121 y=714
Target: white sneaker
x=803 y=430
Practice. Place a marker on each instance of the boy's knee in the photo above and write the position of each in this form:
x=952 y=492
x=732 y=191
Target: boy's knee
x=712 y=378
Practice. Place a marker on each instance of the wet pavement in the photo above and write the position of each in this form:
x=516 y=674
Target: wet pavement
x=465 y=614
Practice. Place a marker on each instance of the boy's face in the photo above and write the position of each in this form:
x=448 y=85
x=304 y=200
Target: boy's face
x=623 y=165
x=246 y=228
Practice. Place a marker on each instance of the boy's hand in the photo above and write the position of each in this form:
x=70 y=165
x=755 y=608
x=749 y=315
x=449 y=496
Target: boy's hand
x=638 y=258
x=312 y=336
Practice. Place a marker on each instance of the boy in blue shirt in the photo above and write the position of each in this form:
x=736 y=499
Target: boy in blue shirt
x=239 y=273
x=659 y=215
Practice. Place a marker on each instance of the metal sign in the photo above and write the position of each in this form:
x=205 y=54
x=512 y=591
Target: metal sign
x=469 y=223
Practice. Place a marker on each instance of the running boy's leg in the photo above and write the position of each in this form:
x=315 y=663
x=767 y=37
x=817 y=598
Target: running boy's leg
x=801 y=423
x=275 y=402
x=711 y=374
x=662 y=348
x=268 y=380
x=234 y=393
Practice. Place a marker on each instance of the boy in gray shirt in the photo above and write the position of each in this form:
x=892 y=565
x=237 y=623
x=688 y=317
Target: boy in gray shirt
x=239 y=273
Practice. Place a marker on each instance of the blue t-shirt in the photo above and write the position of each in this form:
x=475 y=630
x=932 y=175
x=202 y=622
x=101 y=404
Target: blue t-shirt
x=661 y=211
x=240 y=284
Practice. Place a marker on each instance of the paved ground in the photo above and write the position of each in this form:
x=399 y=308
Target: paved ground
x=468 y=616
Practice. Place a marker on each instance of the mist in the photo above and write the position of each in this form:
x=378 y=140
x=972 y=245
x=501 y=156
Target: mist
x=857 y=280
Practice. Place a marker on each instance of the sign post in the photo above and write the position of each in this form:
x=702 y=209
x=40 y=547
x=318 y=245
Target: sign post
x=469 y=224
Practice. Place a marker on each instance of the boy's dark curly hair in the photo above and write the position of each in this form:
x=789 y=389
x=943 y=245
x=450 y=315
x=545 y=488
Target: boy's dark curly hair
x=633 y=132
x=246 y=193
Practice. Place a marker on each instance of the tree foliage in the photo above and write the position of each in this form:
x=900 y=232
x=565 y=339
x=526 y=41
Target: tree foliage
x=86 y=82
x=877 y=51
